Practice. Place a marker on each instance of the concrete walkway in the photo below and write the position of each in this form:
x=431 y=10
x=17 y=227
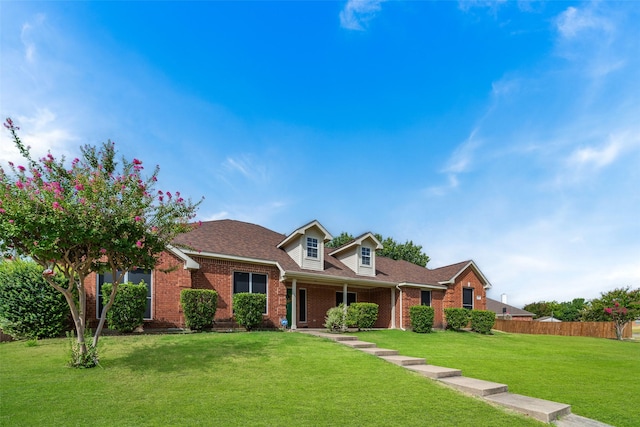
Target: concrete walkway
x=542 y=410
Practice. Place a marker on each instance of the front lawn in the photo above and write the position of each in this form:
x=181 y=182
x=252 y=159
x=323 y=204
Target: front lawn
x=248 y=379
x=599 y=378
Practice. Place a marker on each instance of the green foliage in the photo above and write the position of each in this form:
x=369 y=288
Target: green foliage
x=621 y=306
x=86 y=216
x=568 y=311
x=248 y=309
x=129 y=305
x=83 y=354
x=421 y=318
x=407 y=251
x=29 y=306
x=336 y=319
x=482 y=321
x=362 y=315
x=199 y=307
x=457 y=318
x=343 y=238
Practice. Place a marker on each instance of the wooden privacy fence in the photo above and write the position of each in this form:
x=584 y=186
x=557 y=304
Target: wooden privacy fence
x=574 y=329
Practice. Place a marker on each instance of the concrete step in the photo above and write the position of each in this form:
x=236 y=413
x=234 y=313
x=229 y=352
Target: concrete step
x=379 y=351
x=404 y=360
x=359 y=344
x=573 y=420
x=543 y=410
x=435 y=372
x=474 y=386
x=330 y=336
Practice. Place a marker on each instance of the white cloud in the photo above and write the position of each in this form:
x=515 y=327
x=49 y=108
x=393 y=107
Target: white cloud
x=26 y=36
x=462 y=157
x=248 y=167
x=573 y=21
x=41 y=133
x=597 y=157
x=357 y=13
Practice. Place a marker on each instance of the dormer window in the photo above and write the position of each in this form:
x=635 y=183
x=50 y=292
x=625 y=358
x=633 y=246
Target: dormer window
x=365 y=256
x=312 y=247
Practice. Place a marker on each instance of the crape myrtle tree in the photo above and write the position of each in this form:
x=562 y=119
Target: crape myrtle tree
x=92 y=215
x=621 y=306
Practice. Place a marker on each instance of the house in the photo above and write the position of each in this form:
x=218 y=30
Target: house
x=505 y=311
x=301 y=277
x=548 y=319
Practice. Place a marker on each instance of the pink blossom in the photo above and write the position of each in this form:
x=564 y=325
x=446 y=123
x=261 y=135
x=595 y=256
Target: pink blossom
x=168 y=194
x=79 y=187
x=21 y=168
x=19 y=184
x=137 y=219
x=35 y=243
x=56 y=205
x=2 y=211
x=160 y=198
x=103 y=251
x=10 y=221
x=139 y=244
x=137 y=162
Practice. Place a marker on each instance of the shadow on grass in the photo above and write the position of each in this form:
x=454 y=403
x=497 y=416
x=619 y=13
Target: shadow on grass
x=175 y=353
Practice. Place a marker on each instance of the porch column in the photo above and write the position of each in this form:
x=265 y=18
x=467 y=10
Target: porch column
x=393 y=308
x=344 y=297
x=294 y=305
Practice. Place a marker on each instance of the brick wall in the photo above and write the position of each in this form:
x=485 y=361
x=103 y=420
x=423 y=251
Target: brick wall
x=468 y=279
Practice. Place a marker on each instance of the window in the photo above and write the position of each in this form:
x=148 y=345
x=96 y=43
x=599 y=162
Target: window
x=134 y=276
x=302 y=303
x=467 y=298
x=253 y=283
x=351 y=298
x=425 y=298
x=366 y=256
x=312 y=247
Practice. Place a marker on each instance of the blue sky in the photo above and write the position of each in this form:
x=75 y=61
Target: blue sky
x=505 y=132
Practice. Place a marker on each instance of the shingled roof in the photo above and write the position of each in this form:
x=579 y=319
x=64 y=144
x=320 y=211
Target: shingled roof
x=242 y=240
x=497 y=306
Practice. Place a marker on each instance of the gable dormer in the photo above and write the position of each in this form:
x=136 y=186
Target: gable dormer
x=359 y=254
x=306 y=245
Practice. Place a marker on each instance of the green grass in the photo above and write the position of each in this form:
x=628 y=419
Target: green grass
x=258 y=378
x=599 y=378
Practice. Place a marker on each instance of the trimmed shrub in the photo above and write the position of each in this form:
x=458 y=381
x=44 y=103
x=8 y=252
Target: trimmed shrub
x=421 y=318
x=127 y=311
x=29 y=306
x=336 y=319
x=362 y=315
x=482 y=321
x=199 y=307
x=248 y=309
x=457 y=318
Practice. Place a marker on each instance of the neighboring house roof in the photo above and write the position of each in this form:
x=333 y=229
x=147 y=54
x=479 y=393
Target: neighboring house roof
x=237 y=240
x=547 y=319
x=497 y=306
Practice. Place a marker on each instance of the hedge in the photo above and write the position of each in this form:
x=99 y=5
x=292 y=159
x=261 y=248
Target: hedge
x=199 y=307
x=29 y=306
x=129 y=305
x=421 y=318
x=336 y=319
x=482 y=320
x=248 y=309
x=457 y=318
x=362 y=315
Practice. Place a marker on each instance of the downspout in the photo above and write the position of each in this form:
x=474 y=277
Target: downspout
x=401 y=313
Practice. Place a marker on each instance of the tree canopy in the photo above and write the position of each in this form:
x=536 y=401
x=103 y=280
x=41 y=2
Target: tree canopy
x=91 y=215
x=621 y=305
x=568 y=311
x=407 y=251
